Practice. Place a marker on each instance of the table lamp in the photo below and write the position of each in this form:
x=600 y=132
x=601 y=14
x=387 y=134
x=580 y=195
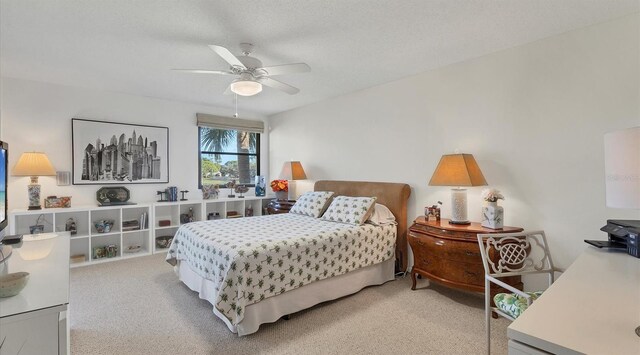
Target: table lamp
x=292 y=170
x=622 y=168
x=458 y=170
x=33 y=164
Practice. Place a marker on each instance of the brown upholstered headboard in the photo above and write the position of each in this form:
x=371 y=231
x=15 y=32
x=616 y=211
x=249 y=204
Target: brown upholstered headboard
x=392 y=195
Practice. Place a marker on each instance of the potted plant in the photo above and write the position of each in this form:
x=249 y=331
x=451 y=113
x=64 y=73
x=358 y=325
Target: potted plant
x=281 y=188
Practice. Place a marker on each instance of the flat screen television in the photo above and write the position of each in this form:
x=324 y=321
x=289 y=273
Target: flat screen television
x=4 y=167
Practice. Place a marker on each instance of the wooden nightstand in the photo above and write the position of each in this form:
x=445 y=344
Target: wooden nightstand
x=449 y=254
x=279 y=206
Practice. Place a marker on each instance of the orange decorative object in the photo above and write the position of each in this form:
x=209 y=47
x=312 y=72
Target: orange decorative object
x=279 y=185
x=57 y=202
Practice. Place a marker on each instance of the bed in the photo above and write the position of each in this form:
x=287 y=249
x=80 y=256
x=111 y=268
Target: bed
x=256 y=270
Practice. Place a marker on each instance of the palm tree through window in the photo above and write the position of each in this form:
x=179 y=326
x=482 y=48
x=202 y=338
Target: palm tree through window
x=227 y=154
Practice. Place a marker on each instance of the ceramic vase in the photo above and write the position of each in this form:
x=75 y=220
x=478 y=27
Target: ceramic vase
x=261 y=186
x=492 y=215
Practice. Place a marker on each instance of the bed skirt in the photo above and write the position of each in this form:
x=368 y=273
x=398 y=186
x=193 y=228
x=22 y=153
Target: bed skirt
x=274 y=308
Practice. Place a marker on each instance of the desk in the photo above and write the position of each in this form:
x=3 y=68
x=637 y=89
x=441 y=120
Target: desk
x=35 y=320
x=593 y=308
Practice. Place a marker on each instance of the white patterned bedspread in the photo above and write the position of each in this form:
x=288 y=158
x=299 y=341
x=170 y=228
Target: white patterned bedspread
x=250 y=259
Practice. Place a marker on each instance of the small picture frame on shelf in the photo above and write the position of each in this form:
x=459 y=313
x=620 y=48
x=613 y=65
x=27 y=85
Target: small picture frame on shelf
x=99 y=252
x=112 y=251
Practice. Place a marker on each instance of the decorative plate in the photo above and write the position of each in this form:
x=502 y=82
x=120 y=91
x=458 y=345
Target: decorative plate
x=113 y=195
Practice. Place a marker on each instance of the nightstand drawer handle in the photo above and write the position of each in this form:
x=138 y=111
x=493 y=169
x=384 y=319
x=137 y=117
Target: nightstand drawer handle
x=440 y=242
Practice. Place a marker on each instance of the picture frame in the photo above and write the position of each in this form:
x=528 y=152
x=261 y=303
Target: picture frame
x=106 y=153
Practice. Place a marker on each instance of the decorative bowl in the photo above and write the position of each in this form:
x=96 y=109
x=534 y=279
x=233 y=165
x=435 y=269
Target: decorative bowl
x=164 y=241
x=12 y=284
x=132 y=249
x=104 y=226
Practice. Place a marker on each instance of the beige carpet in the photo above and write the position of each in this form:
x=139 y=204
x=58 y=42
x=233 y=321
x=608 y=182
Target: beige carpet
x=138 y=306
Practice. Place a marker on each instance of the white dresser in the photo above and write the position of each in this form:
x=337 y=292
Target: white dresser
x=593 y=308
x=35 y=321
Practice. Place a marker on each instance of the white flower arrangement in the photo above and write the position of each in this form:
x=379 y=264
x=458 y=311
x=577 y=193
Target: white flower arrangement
x=492 y=195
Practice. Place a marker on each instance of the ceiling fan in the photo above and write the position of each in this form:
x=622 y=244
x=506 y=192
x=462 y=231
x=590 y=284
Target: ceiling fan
x=251 y=75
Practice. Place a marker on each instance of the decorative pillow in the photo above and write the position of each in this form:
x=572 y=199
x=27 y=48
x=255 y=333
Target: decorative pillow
x=513 y=304
x=352 y=210
x=312 y=203
x=381 y=215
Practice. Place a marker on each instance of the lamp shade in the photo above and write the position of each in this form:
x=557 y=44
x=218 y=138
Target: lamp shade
x=457 y=170
x=292 y=170
x=33 y=164
x=622 y=168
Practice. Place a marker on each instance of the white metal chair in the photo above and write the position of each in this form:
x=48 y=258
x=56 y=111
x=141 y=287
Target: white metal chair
x=512 y=254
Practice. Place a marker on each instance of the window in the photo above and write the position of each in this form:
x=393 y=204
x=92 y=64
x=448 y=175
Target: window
x=228 y=154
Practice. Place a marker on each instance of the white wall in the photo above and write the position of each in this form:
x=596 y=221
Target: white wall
x=37 y=117
x=533 y=116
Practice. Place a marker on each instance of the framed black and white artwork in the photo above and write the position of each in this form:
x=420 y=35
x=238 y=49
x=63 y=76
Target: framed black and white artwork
x=119 y=153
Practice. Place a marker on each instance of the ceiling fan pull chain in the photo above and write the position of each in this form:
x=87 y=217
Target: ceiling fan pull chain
x=236 y=100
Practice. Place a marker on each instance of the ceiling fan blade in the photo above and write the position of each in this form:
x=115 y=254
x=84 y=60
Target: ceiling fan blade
x=227 y=56
x=204 y=71
x=287 y=69
x=279 y=85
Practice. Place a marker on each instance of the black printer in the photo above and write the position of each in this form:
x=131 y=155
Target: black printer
x=623 y=234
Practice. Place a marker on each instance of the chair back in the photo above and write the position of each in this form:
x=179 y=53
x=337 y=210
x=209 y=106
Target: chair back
x=510 y=254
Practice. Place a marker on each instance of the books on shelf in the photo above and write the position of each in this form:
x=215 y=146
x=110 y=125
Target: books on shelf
x=130 y=225
x=136 y=224
x=144 y=220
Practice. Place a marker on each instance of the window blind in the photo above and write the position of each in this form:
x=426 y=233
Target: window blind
x=220 y=122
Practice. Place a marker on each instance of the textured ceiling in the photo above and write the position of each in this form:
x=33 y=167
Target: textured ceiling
x=129 y=46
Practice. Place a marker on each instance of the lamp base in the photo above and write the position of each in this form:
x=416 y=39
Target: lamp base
x=33 y=190
x=459 y=206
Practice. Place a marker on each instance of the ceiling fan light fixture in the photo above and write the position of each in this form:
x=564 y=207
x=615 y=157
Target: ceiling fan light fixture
x=252 y=75
x=246 y=86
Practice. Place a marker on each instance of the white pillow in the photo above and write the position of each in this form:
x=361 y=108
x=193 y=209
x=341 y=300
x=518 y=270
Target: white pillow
x=352 y=210
x=312 y=203
x=381 y=215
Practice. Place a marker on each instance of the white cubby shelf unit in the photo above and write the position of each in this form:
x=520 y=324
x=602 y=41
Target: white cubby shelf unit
x=221 y=208
x=87 y=237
